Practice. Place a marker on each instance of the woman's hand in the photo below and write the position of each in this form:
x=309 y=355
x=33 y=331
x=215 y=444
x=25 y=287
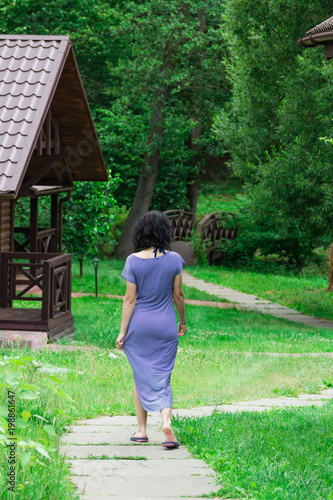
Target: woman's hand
x=182 y=329
x=120 y=340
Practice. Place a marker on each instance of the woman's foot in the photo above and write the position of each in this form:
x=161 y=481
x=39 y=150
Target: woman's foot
x=139 y=437
x=169 y=435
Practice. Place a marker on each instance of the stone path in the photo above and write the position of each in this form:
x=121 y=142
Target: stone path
x=252 y=302
x=131 y=471
x=106 y=466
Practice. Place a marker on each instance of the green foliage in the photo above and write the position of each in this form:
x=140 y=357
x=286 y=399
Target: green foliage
x=88 y=219
x=199 y=247
x=183 y=71
x=27 y=415
x=281 y=106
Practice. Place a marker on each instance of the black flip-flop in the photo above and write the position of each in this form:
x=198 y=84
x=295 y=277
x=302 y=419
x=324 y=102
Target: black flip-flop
x=170 y=444
x=138 y=439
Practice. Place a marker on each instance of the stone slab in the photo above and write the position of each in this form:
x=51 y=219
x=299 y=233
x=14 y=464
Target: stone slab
x=18 y=338
x=135 y=468
x=109 y=420
x=156 y=486
x=74 y=429
x=150 y=452
x=110 y=435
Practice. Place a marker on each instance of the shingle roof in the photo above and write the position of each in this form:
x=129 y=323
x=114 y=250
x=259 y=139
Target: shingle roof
x=31 y=68
x=322 y=27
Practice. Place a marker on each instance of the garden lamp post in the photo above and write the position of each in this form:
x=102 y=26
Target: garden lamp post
x=96 y=261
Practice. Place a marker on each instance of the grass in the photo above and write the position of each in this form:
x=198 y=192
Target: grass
x=109 y=279
x=305 y=292
x=212 y=367
x=225 y=330
x=111 y=283
x=264 y=277
x=214 y=197
x=278 y=454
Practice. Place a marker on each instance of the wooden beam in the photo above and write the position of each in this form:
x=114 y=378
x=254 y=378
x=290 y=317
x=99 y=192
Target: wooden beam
x=39 y=175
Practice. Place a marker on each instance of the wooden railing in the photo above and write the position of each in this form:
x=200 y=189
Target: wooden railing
x=181 y=223
x=54 y=279
x=216 y=227
x=46 y=240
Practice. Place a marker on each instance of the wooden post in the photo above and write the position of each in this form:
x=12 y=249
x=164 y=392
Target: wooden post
x=33 y=224
x=330 y=271
x=54 y=220
x=4 y=282
x=33 y=231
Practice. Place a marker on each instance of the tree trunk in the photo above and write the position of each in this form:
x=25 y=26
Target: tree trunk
x=193 y=181
x=150 y=167
x=330 y=271
x=146 y=185
x=81 y=266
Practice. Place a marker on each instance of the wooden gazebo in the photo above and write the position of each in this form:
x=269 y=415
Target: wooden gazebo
x=47 y=141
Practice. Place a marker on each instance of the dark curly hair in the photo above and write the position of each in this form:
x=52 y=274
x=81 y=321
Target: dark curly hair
x=152 y=230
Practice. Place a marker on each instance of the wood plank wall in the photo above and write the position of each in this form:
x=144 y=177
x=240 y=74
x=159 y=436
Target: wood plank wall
x=5 y=227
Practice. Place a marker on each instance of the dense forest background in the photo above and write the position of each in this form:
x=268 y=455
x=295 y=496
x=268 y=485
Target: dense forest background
x=177 y=85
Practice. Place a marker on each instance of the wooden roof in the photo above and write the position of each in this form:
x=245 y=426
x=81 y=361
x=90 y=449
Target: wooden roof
x=322 y=34
x=322 y=27
x=40 y=82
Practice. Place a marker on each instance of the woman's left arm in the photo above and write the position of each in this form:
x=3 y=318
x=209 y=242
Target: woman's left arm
x=128 y=308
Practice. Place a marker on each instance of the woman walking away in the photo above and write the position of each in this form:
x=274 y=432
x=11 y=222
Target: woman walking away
x=149 y=333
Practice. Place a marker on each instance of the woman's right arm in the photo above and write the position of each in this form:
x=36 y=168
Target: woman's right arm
x=179 y=300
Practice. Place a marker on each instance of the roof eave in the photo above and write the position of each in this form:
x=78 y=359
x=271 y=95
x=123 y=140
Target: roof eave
x=316 y=39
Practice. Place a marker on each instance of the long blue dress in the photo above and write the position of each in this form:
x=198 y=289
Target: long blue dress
x=151 y=340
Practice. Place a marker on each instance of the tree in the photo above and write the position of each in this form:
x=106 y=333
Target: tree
x=172 y=74
x=280 y=109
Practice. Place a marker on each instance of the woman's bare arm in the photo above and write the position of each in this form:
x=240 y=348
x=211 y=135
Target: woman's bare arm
x=128 y=308
x=179 y=300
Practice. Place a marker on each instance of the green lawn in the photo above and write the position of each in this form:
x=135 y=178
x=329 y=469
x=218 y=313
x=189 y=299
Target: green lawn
x=214 y=197
x=305 y=293
x=221 y=360
x=111 y=283
x=211 y=368
x=277 y=455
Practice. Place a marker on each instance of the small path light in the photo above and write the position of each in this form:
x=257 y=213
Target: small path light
x=96 y=261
